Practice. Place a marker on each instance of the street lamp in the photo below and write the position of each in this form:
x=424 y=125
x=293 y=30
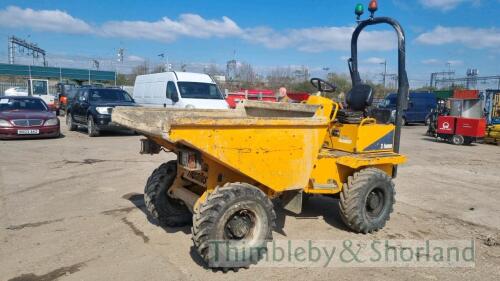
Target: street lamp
x=325 y=69
x=167 y=65
x=385 y=72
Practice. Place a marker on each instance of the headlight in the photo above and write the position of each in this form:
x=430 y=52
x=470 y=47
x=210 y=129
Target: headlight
x=103 y=110
x=51 y=122
x=5 y=123
x=190 y=159
x=189 y=106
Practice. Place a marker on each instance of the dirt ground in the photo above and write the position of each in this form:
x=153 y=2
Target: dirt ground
x=72 y=209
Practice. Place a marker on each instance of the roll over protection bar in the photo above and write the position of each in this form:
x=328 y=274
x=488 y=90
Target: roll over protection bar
x=403 y=86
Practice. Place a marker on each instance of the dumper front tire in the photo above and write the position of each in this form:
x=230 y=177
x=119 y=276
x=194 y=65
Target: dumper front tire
x=168 y=211
x=237 y=217
x=367 y=200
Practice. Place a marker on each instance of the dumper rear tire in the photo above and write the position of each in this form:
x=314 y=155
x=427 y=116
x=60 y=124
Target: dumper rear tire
x=237 y=215
x=168 y=211
x=367 y=200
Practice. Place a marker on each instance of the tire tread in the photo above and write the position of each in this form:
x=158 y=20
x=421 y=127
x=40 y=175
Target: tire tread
x=350 y=198
x=205 y=217
x=160 y=180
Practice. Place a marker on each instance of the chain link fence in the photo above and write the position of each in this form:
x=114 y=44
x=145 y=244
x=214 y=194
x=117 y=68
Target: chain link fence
x=7 y=85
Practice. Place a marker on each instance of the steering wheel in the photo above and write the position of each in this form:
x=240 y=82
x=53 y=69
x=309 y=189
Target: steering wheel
x=319 y=84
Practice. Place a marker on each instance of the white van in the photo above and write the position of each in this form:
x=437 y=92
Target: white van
x=179 y=90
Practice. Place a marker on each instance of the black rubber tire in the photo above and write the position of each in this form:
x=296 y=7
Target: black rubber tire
x=92 y=130
x=403 y=122
x=353 y=200
x=168 y=211
x=457 y=140
x=70 y=123
x=209 y=224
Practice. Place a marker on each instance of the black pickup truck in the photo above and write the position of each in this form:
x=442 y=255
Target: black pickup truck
x=92 y=108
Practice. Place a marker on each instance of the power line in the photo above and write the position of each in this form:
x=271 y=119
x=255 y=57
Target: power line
x=434 y=76
x=120 y=54
x=384 y=74
x=21 y=45
x=469 y=79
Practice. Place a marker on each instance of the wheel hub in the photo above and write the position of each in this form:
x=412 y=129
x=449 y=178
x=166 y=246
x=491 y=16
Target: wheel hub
x=240 y=225
x=375 y=202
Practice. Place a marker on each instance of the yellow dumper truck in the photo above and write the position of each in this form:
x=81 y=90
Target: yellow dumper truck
x=232 y=163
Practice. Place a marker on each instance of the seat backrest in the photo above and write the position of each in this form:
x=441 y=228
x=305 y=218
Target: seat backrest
x=359 y=97
x=382 y=115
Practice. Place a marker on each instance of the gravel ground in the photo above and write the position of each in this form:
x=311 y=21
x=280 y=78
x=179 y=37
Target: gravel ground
x=72 y=209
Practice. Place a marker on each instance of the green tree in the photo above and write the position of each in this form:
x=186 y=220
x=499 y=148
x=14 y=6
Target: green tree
x=302 y=87
x=122 y=79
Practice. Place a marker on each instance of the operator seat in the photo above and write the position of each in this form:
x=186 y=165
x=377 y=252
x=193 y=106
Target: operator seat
x=357 y=100
x=359 y=97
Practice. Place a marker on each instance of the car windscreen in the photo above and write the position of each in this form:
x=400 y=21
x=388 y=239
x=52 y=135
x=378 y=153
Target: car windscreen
x=7 y=104
x=40 y=87
x=71 y=93
x=197 y=90
x=389 y=101
x=65 y=88
x=109 y=95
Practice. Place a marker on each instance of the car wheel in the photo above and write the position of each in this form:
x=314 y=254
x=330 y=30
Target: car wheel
x=69 y=122
x=91 y=128
x=457 y=139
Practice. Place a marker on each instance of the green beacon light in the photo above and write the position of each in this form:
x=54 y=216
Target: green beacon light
x=359 y=10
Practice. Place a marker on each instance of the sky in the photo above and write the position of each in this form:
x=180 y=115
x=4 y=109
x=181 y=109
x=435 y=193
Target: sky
x=440 y=34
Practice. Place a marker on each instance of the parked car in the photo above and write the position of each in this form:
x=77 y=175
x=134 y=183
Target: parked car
x=419 y=107
x=27 y=117
x=16 y=91
x=178 y=90
x=92 y=108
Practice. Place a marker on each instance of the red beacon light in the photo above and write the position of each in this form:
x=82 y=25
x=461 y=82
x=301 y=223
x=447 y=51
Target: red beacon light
x=373 y=7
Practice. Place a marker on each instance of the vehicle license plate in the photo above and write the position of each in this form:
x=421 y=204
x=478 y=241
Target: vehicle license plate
x=28 y=132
